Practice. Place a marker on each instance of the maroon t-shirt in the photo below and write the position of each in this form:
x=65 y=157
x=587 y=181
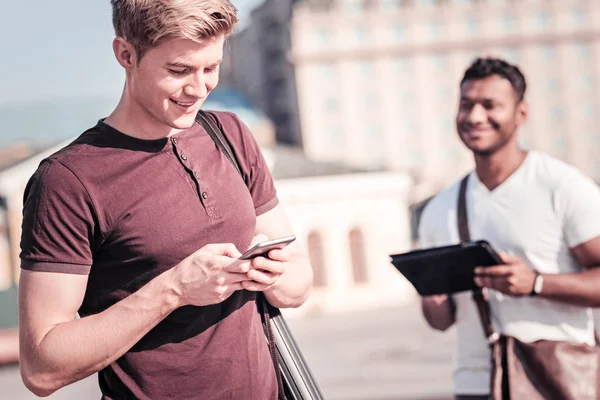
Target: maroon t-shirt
x=124 y=210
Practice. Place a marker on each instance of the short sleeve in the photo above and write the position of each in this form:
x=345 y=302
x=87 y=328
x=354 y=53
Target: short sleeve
x=425 y=236
x=255 y=169
x=58 y=222
x=577 y=202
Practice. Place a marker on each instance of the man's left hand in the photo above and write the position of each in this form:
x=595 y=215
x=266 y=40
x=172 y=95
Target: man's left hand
x=266 y=271
x=513 y=278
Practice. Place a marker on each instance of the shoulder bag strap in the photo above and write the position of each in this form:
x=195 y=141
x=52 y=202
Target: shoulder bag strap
x=215 y=131
x=483 y=306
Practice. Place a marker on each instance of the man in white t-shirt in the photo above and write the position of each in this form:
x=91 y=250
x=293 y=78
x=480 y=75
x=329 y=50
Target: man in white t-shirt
x=542 y=214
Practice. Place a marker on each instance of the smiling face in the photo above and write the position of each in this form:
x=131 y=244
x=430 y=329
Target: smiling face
x=489 y=115
x=166 y=88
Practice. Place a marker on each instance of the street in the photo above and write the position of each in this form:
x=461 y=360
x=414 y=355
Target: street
x=385 y=354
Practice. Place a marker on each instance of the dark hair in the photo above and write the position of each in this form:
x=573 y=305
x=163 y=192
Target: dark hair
x=484 y=67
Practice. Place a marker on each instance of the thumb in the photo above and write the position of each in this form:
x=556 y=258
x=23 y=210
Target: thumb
x=257 y=239
x=223 y=249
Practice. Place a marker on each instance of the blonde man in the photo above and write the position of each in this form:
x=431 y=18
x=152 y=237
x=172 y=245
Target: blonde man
x=138 y=226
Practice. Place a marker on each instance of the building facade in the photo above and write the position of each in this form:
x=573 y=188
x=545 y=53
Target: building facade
x=256 y=61
x=377 y=80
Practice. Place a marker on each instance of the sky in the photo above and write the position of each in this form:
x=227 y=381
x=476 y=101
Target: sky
x=62 y=48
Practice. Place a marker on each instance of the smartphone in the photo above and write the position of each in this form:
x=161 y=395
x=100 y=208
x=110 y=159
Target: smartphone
x=263 y=248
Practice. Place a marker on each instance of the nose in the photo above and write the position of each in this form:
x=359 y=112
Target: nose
x=197 y=87
x=477 y=115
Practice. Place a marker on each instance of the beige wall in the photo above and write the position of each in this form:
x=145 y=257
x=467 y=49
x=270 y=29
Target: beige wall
x=333 y=206
x=380 y=87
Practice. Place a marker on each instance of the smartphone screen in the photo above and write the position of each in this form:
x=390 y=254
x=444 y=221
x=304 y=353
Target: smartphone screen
x=263 y=248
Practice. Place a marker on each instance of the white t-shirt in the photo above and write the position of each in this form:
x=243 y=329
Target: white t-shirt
x=541 y=211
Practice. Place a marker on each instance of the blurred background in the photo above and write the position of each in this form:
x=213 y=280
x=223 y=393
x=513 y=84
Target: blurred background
x=353 y=104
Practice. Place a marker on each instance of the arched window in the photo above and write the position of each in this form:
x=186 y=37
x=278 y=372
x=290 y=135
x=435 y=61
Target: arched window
x=315 y=254
x=357 y=256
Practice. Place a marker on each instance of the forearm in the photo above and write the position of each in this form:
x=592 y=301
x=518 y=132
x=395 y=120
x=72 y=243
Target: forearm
x=580 y=289
x=73 y=350
x=294 y=286
x=438 y=311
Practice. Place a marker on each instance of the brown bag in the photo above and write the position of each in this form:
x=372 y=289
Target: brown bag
x=540 y=370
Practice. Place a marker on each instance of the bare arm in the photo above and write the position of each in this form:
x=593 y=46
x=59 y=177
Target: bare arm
x=582 y=289
x=57 y=350
x=515 y=278
x=439 y=311
x=292 y=288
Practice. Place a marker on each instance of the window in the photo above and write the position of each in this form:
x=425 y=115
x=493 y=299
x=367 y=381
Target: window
x=590 y=110
x=323 y=36
x=556 y=114
x=357 y=256
x=397 y=32
x=559 y=143
x=435 y=29
x=552 y=84
x=326 y=71
x=390 y=5
x=511 y=55
x=509 y=23
x=543 y=20
x=440 y=62
x=582 y=50
x=403 y=65
x=315 y=255
x=353 y=6
x=371 y=101
x=331 y=104
x=367 y=69
x=406 y=97
x=524 y=142
x=472 y=25
x=587 y=81
x=374 y=131
x=548 y=52
x=361 y=34
x=579 y=17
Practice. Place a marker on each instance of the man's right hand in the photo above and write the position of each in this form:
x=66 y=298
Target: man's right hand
x=210 y=275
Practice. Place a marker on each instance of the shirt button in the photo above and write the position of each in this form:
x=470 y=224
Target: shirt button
x=174 y=140
x=183 y=157
x=196 y=174
x=204 y=195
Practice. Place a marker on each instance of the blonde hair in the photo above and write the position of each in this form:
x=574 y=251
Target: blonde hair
x=147 y=23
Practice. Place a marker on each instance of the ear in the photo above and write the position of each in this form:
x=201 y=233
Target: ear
x=125 y=53
x=522 y=112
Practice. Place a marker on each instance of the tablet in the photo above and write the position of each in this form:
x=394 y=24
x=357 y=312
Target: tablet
x=448 y=269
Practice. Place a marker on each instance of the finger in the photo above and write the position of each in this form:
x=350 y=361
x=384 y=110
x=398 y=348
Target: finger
x=252 y=286
x=494 y=271
x=236 y=266
x=233 y=279
x=222 y=249
x=257 y=239
x=508 y=259
x=485 y=282
x=268 y=265
x=262 y=277
x=282 y=255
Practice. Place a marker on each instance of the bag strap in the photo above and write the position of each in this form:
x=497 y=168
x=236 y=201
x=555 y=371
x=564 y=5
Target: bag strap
x=217 y=134
x=483 y=305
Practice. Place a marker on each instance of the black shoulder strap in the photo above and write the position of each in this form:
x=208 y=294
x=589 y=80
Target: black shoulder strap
x=215 y=131
x=483 y=306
